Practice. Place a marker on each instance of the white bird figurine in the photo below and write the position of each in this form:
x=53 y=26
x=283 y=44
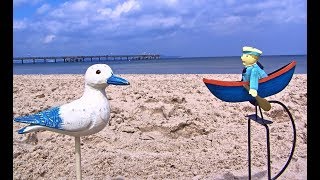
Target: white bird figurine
x=84 y=116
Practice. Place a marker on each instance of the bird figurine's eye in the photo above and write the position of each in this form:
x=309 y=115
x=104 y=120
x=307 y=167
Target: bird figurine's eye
x=98 y=72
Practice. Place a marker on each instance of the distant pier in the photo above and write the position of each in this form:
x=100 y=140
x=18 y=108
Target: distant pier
x=66 y=59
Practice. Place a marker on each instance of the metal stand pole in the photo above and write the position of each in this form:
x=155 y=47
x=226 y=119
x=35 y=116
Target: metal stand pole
x=249 y=149
x=78 y=157
x=265 y=123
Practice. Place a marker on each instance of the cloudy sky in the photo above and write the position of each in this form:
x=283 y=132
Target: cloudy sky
x=190 y=28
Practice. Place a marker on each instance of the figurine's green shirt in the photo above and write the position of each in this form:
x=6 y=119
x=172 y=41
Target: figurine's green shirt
x=253 y=74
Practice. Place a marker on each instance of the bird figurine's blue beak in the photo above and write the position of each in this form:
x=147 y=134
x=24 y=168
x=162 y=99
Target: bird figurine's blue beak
x=115 y=80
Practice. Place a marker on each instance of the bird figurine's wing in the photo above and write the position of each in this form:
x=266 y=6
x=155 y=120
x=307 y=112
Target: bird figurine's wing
x=49 y=118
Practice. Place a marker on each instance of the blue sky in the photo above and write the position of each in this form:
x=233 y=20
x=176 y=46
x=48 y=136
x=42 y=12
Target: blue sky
x=189 y=28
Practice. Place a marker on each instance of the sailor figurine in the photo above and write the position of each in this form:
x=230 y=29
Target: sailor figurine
x=253 y=70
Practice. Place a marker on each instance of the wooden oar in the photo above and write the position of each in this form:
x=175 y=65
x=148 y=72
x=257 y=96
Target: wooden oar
x=263 y=103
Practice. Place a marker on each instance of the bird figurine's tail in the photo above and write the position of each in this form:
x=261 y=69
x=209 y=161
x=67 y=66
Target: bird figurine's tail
x=28 y=129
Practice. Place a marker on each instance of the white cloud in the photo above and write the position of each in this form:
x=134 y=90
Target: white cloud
x=23 y=2
x=94 y=10
x=106 y=1
x=72 y=10
x=228 y=24
x=158 y=22
x=49 y=38
x=44 y=8
x=79 y=6
x=171 y=2
x=105 y=11
x=49 y=26
x=162 y=36
x=19 y=2
x=126 y=7
x=19 y=24
x=285 y=11
x=165 y=3
x=230 y=2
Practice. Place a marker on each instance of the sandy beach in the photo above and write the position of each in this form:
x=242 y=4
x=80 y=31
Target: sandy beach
x=161 y=127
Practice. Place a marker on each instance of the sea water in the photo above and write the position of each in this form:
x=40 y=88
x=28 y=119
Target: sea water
x=194 y=65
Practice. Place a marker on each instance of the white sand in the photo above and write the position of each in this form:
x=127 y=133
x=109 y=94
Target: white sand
x=161 y=127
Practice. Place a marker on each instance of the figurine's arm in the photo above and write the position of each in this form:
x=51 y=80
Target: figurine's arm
x=254 y=78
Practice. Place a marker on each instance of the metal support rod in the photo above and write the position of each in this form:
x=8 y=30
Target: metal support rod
x=78 y=157
x=265 y=123
x=249 y=148
x=268 y=142
x=268 y=151
x=294 y=138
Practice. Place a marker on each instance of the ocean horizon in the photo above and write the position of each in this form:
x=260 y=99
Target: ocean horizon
x=175 y=65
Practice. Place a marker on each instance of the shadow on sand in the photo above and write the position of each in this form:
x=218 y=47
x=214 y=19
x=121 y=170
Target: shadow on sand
x=230 y=176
